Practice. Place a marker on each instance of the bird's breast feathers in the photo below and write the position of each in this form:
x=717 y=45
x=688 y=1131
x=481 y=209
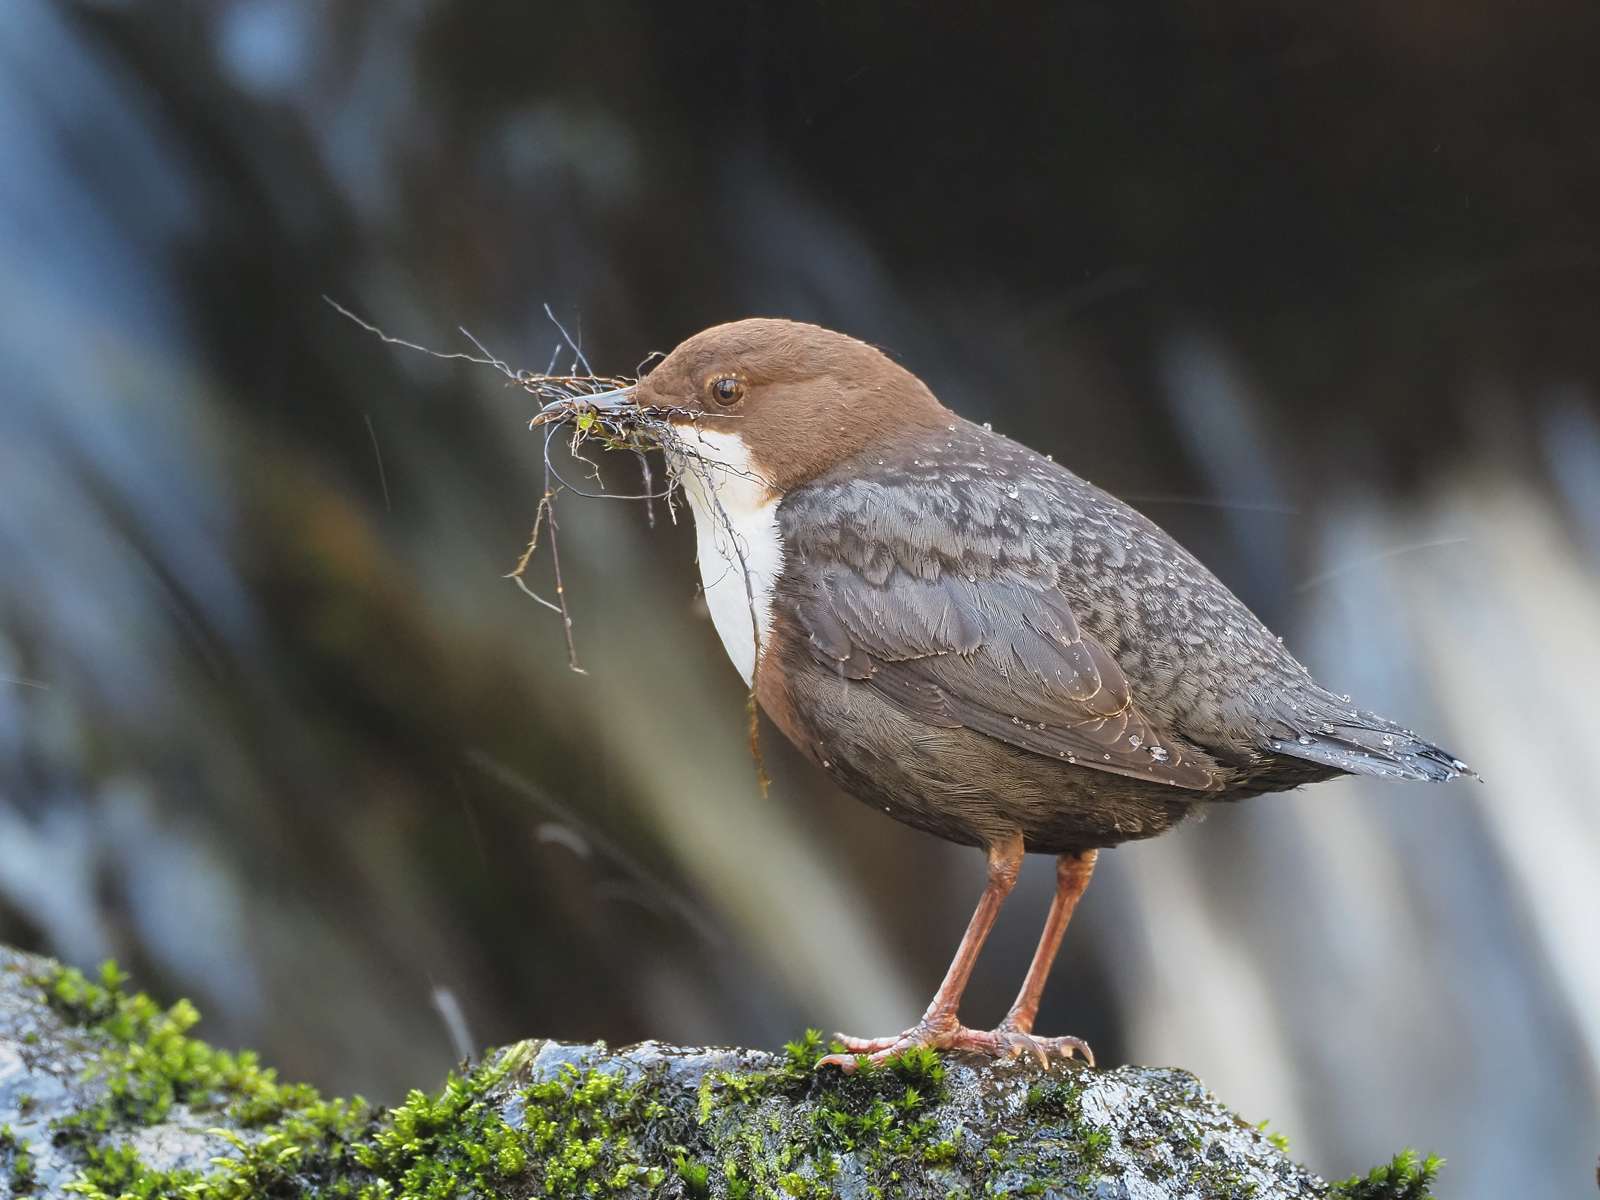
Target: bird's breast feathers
x=738 y=542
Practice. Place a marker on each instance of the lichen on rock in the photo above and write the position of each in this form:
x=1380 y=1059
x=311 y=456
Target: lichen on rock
x=104 y=1095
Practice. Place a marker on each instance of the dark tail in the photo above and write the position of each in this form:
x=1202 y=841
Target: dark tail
x=1364 y=743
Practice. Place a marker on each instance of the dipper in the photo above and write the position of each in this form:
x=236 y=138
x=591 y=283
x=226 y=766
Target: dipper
x=968 y=636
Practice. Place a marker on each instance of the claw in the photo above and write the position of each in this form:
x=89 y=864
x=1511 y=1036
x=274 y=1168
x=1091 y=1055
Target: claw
x=845 y=1062
x=1019 y=1041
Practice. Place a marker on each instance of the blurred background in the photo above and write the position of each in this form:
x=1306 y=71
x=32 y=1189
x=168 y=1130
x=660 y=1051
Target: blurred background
x=1317 y=292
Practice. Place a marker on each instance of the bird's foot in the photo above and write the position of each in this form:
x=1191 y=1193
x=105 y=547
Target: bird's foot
x=1023 y=1041
x=1003 y=1042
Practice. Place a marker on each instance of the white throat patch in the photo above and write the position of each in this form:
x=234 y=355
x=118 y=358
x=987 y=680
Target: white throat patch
x=736 y=533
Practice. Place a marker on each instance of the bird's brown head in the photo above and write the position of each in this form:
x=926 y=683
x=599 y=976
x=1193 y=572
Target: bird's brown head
x=799 y=398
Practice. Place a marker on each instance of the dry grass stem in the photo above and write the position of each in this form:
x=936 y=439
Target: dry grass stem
x=564 y=406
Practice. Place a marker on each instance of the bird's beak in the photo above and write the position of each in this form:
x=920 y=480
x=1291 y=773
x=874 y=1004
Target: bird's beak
x=616 y=398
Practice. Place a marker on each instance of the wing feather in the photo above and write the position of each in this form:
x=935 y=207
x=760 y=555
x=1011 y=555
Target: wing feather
x=1002 y=655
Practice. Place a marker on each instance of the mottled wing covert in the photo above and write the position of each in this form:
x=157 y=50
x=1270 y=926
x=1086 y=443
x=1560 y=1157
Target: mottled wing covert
x=999 y=655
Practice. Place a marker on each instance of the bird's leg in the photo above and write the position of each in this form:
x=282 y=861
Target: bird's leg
x=1005 y=862
x=939 y=1027
x=1072 y=878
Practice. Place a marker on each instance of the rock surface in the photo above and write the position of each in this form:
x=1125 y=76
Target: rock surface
x=167 y=1115
x=981 y=1129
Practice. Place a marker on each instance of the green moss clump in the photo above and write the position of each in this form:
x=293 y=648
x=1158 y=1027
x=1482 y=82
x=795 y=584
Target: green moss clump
x=1404 y=1177
x=116 y=1172
x=1279 y=1141
x=448 y=1144
x=150 y=1064
x=16 y=1162
x=153 y=1064
x=287 y=1141
x=696 y=1177
x=1085 y=1149
x=805 y=1052
x=881 y=1114
x=579 y=1128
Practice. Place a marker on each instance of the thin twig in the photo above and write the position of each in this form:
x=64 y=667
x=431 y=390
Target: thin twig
x=576 y=348
x=500 y=364
x=517 y=573
x=543 y=516
x=649 y=488
x=383 y=479
x=561 y=588
x=394 y=341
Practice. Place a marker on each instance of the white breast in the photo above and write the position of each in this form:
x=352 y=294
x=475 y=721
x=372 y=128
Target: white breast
x=736 y=530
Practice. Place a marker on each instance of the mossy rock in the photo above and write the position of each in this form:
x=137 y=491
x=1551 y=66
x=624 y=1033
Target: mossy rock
x=103 y=1094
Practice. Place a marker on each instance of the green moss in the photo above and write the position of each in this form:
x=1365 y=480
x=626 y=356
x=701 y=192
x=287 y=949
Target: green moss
x=150 y=1064
x=451 y=1143
x=805 y=1052
x=696 y=1177
x=581 y=1134
x=778 y=1131
x=1081 y=1154
x=1279 y=1141
x=575 y=1137
x=153 y=1064
x=115 y=1171
x=881 y=1114
x=16 y=1162
x=1404 y=1177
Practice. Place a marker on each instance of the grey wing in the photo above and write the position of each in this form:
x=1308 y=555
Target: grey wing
x=1002 y=656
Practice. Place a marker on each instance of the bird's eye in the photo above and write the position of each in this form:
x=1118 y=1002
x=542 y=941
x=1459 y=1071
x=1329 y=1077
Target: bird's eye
x=726 y=390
